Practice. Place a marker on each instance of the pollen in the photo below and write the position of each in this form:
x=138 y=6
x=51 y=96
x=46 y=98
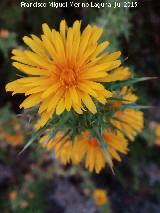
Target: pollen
x=69 y=77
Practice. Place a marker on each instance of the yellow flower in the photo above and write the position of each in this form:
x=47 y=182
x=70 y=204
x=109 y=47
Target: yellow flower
x=127 y=95
x=31 y=195
x=119 y=74
x=65 y=70
x=86 y=146
x=13 y=195
x=15 y=138
x=100 y=197
x=157 y=130
x=4 y=33
x=129 y=121
x=61 y=145
x=89 y=147
x=24 y=204
x=156 y=127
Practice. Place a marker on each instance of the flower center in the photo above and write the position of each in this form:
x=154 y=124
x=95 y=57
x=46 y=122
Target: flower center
x=68 y=76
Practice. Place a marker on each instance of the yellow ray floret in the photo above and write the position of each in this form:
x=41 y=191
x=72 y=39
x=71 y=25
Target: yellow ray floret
x=89 y=148
x=64 y=70
x=127 y=95
x=119 y=74
x=129 y=121
x=61 y=145
x=122 y=97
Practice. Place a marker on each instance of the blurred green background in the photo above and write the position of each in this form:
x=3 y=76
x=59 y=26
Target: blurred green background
x=34 y=181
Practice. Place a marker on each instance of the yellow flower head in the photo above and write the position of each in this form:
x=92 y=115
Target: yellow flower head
x=89 y=147
x=86 y=146
x=125 y=95
x=100 y=197
x=129 y=121
x=13 y=195
x=65 y=70
x=14 y=139
x=157 y=130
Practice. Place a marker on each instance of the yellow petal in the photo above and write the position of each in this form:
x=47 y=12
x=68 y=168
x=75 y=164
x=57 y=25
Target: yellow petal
x=30 y=70
x=54 y=100
x=59 y=46
x=44 y=105
x=46 y=30
x=84 y=39
x=31 y=101
x=69 y=43
x=97 y=32
x=36 y=89
x=73 y=95
x=94 y=85
x=50 y=90
x=77 y=108
x=87 y=89
x=49 y=47
x=90 y=75
x=21 y=57
x=16 y=86
x=88 y=102
x=60 y=107
x=68 y=101
x=100 y=48
x=34 y=46
x=38 y=60
x=63 y=27
x=43 y=120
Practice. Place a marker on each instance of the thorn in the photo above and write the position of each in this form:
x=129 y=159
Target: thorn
x=21 y=151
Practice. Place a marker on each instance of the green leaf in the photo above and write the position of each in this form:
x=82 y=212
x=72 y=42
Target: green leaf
x=130 y=82
x=135 y=106
x=64 y=118
x=33 y=138
x=103 y=145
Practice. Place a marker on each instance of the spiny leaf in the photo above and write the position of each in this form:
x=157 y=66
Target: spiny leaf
x=33 y=138
x=51 y=136
x=63 y=119
x=98 y=133
x=130 y=82
x=135 y=106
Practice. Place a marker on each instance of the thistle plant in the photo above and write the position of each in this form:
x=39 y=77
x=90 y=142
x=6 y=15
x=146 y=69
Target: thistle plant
x=82 y=97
